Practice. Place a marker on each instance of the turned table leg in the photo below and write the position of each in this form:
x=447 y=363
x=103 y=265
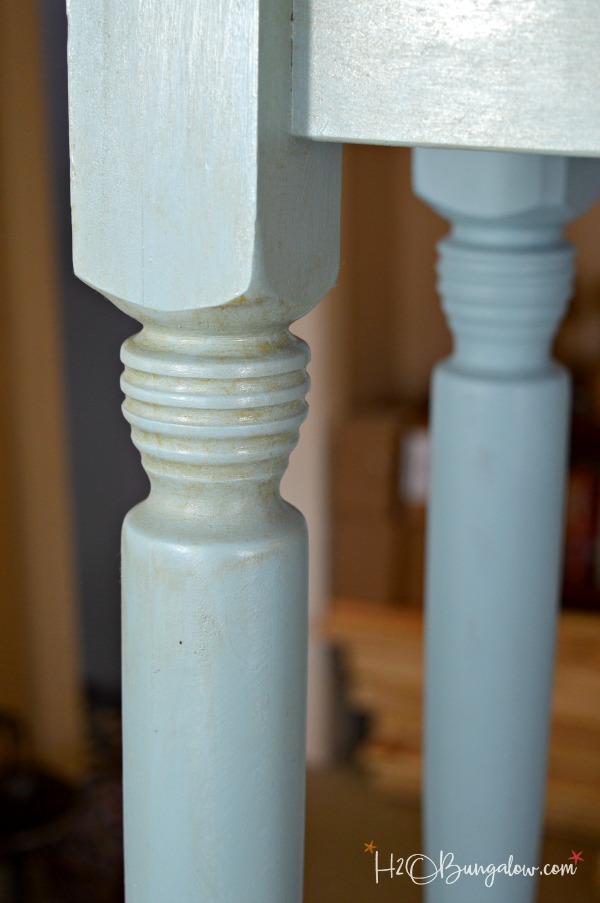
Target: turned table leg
x=197 y=213
x=500 y=426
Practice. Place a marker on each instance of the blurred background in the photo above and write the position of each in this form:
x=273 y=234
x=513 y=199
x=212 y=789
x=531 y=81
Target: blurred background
x=69 y=473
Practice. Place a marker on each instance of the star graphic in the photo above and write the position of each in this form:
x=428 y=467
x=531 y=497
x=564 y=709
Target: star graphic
x=369 y=847
x=576 y=857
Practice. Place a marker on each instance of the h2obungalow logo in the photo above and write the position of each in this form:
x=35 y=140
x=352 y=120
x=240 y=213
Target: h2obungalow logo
x=422 y=869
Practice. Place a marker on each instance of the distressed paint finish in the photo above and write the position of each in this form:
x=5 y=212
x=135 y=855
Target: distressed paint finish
x=180 y=152
x=500 y=415
x=196 y=212
x=512 y=75
x=214 y=589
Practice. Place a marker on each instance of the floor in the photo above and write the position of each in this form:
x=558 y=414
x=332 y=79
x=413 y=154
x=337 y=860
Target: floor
x=344 y=813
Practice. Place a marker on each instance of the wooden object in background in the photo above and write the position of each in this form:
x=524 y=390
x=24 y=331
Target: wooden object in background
x=396 y=330
x=366 y=460
x=581 y=541
x=378 y=539
x=197 y=213
x=382 y=655
x=39 y=661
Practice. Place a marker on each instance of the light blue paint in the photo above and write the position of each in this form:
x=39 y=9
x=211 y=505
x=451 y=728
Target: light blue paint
x=214 y=622
x=196 y=212
x=500 y=430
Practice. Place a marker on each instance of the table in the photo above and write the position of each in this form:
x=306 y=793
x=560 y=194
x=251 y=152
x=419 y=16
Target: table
x=206 y=154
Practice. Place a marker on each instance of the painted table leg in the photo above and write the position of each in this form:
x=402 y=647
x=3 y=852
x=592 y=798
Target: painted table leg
x=195 y=212
x=214 y=644
x=500 y=422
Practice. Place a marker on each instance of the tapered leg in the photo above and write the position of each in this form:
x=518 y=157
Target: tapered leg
x=500 y=421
